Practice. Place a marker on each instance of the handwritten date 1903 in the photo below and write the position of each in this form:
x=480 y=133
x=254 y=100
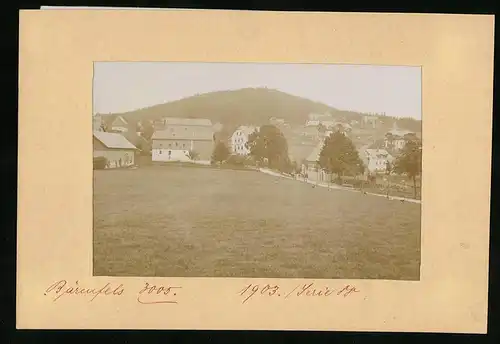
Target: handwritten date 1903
x=252 y=289
x=300 y=290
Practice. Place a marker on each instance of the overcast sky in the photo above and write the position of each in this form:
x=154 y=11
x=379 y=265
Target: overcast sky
x=126 y=86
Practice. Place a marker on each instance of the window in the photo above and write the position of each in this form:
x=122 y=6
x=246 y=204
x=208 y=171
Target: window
x=176 y=144
x=169 y=145
x=183 y=145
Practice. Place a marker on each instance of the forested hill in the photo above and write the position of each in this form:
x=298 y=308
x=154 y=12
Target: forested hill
x=244 y=106
x=248 y=105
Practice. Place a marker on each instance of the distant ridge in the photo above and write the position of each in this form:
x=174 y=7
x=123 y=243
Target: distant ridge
x=252 y=106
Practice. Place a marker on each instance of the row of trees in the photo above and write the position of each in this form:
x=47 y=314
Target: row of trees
x=339 y=156
x=268 y=147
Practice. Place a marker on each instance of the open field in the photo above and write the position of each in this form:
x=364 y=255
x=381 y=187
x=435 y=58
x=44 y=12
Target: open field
x=176 y=221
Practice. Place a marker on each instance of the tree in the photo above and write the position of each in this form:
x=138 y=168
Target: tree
x=339 y=156
x=269 y=145
x=388 y=171
x=147 y=129
x=409 y=162
x=138 y=127
x=220 y=153
x=193 y=155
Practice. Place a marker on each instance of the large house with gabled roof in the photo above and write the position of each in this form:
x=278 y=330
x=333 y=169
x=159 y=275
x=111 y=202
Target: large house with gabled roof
x=180 y=138
x=240 y=138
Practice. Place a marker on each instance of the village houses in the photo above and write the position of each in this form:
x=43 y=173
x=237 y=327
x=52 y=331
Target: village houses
x=395 y=139
x=117 y=150
x=181 y=136
x=240 y=138
x=376 y=160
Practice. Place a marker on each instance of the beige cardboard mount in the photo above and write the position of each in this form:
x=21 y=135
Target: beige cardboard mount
x=57 y=51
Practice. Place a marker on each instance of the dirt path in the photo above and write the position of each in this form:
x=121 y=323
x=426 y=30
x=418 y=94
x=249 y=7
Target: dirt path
x=338 y=187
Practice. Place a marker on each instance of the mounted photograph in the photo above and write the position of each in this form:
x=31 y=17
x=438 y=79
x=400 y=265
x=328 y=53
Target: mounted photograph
x=257 y=170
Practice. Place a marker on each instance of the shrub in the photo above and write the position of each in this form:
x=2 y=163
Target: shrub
x=100 y=163
x=236 y=160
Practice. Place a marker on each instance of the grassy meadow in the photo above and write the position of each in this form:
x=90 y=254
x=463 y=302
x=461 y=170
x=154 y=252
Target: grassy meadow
x=197 y=222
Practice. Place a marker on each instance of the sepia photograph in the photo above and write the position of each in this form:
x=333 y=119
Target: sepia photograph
x=257 y=170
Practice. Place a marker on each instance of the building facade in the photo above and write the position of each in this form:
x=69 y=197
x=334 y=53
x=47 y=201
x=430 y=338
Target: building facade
x=183 y=139
x=117 y=150
x=376 y=160
x=395 y=139
x=239 y=140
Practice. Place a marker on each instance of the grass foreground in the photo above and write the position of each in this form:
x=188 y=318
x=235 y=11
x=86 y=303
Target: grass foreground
x=205 y=222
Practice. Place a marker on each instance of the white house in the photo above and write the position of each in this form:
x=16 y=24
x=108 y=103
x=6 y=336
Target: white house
x=312 y=123
x=376 y=160
x=240 y=138
x=182 y=137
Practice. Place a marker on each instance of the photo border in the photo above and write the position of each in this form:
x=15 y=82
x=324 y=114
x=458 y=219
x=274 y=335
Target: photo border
x=55 y=82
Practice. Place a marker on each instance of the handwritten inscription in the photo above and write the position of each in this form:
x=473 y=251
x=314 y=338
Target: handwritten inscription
x=149 y=294
x=300 y=290
x=167 y=294
x=153 y=294
x=63 y=288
